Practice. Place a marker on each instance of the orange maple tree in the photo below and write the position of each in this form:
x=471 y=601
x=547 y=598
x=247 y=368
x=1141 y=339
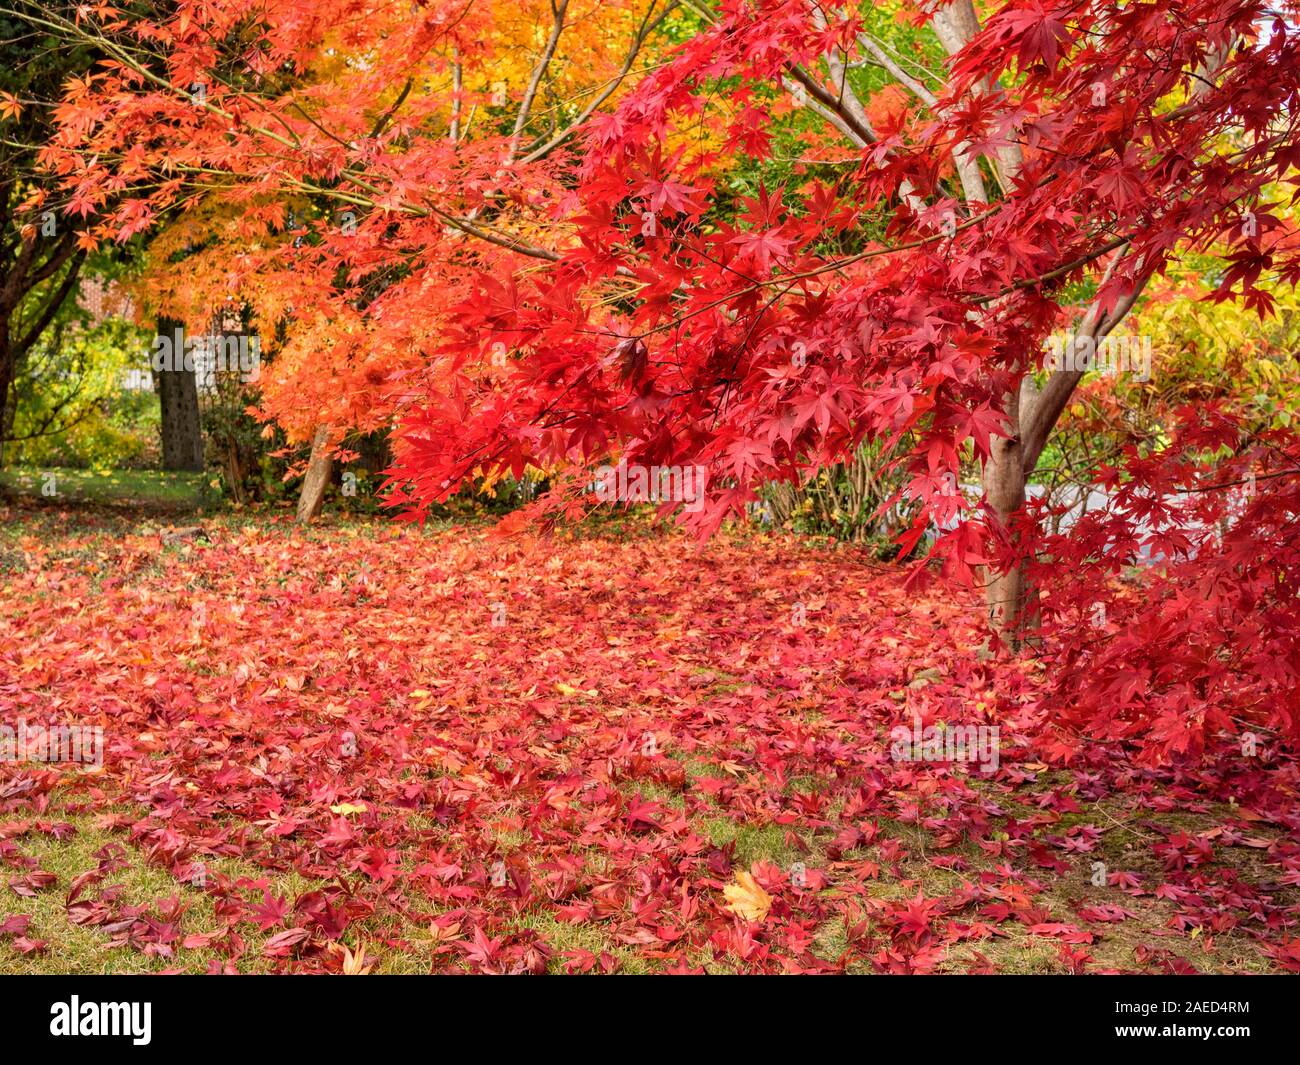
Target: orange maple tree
x=338 y=173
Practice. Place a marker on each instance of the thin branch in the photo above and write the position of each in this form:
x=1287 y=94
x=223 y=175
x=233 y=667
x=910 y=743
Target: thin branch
x=535 y=81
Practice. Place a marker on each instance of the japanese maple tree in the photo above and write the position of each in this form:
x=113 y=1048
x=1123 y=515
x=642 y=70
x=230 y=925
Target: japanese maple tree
x=605 y=290
x=1066 y=156
x=339 y=173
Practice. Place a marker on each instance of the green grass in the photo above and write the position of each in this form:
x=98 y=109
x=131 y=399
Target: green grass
x=85 y=950
x=73 y=949
x=405 y=947
x=133 y=488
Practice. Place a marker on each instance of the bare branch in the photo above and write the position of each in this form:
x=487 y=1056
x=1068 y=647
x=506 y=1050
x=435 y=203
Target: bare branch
x=535 y=81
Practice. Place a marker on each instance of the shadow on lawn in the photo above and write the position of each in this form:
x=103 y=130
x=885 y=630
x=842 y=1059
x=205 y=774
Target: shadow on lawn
x=133 y=492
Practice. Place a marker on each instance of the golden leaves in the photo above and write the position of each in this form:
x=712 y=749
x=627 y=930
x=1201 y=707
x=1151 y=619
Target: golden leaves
x=353 y=964
x=569 y=689
x=746 y=899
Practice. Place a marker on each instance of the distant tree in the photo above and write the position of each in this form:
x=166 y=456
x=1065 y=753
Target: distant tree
x=41 y=245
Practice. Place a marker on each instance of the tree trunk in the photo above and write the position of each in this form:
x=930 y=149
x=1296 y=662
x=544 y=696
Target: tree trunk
x=7 y=404
x=1011 y=600
x=178 y=396
x=1031 y=415
x=312 y=496
x=24 y=274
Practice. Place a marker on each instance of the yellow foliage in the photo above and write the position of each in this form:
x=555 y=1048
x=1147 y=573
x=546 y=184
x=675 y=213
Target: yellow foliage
x=746 y=898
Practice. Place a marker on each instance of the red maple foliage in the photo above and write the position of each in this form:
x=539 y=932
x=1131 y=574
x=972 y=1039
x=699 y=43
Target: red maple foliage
x=762 y=356
x=643 y=310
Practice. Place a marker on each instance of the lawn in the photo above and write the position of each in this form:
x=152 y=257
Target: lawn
x=364 y=747
x=135 y=489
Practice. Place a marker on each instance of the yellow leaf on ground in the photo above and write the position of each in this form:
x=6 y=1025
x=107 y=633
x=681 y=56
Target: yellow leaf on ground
x=569 y=689
x=353 y=964
x=746 y=899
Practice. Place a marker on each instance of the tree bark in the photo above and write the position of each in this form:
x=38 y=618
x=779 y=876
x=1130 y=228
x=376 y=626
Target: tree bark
x=7 y=404
x=1032 y=414
x=1011 y=600
x=312 y=496
x=178 y=397
x=24 y=271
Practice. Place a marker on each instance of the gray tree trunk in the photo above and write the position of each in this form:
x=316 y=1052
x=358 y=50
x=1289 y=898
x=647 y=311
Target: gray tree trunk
x=178 y=395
